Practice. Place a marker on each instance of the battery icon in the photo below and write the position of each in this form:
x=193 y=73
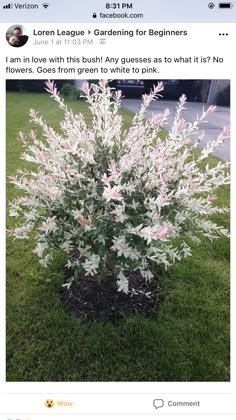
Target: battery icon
x=225 y=5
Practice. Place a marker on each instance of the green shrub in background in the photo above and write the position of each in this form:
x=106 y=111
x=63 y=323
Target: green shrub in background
x=70 y=91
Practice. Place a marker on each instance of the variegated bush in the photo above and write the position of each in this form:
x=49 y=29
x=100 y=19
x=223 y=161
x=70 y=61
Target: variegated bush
x=112 y=199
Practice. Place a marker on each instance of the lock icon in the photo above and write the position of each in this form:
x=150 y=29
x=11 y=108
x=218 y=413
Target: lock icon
x=94 y=15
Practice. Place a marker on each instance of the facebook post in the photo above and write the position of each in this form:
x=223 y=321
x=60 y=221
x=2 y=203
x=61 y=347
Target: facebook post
x=117 y=210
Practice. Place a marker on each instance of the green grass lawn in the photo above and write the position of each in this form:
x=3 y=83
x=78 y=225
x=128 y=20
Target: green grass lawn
x=188 y=341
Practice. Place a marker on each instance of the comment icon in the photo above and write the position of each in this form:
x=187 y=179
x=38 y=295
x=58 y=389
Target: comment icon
x=158 y=403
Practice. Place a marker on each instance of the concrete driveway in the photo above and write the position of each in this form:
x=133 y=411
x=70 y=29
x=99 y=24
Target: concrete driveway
x=215 y=124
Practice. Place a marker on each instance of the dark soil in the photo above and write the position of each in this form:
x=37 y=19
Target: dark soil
x=91 y=300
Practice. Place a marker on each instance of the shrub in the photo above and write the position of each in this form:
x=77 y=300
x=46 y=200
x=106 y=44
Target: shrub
x=69 y=90
x=115 y=200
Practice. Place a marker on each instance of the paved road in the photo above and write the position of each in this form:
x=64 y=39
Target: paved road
x=217 y=120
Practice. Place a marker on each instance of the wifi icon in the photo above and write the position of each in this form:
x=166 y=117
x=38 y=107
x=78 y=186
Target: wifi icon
x=45 y=5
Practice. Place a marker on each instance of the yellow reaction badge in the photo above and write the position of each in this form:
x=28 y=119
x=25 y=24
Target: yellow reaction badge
x=49 y=403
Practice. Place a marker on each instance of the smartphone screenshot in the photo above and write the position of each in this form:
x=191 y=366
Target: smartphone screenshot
x=117 y=210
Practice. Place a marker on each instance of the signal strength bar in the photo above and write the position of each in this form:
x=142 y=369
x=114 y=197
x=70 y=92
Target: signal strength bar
x=8 y=6
x=45 y=5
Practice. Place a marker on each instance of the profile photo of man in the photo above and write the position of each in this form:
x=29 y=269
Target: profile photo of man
x=16 y=37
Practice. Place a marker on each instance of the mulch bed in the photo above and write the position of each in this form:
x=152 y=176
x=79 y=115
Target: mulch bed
x=90 y=300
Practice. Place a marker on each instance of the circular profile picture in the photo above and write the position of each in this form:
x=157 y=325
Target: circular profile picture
x=16 y=36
